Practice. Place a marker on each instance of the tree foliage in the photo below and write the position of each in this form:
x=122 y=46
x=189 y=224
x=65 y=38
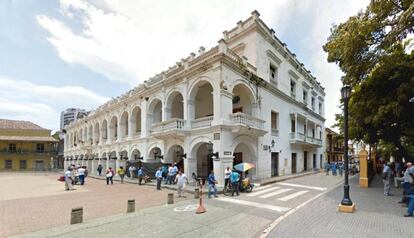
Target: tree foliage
x=372 y=50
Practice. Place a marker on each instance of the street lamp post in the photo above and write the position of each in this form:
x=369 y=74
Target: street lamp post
x=346 y=204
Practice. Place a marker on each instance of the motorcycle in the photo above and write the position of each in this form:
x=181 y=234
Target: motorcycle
x=244 y=186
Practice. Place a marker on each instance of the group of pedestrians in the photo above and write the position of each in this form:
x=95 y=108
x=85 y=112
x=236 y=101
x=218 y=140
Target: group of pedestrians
x=335 y=167
x=73 y=175
x=402 y=174
x=230 y=176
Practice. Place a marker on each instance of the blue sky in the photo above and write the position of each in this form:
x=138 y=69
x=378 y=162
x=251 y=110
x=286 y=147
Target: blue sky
x=80 y=53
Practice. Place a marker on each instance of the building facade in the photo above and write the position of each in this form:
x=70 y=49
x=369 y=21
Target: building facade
x=25 y=146
x=248 y=99
x=334 y=146
x=70 y=115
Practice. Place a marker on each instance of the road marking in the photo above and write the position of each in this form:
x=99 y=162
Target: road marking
x=262 y=191
x=303 y=186
x=261 y=187
x=275 y=193
x=188 y=208
x=254 y=204
x=293 y=195
x=267 y=231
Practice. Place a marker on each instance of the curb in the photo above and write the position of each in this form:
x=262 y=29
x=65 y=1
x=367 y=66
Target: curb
x=286 y=178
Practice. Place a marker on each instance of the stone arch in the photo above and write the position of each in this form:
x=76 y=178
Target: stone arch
x=243 y=98
x=104 y=130
x=201 y=98
x=154 y=112
x=135 y=153
x=123 y=124
x=113 y=128
x=174 y=107
x=244 y=151
x=96 y=133
x=135 y=120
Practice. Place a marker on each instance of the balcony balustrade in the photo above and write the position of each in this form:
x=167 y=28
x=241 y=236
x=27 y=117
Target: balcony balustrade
x=173 y=124
x=247 y=120
x=201 y=122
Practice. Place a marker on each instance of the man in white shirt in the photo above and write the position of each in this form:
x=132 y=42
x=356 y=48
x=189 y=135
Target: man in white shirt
x=131 y=170
x=227 y=174
x=81 y=175
x=68 y=179
x=181 y=179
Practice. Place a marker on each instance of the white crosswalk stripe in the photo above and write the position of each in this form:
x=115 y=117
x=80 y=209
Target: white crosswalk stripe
x=261 y=187
x=293 y=195
x=254 y=204
x=276 y=193
x=303 y=186
x=253 y=194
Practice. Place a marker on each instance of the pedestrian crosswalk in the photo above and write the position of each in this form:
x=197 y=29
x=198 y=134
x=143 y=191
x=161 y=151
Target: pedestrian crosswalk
x=275 y=193
x=274 y=196
x=293 y=195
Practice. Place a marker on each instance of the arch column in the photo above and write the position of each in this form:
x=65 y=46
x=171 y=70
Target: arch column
x=219 y=167
x=130 y=125
x=144 y=129
x=190 y=166
x=225 y=104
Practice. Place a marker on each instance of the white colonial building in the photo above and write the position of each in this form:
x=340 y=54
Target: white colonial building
x=248 y=98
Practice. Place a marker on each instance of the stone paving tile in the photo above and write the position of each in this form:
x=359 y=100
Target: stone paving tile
x=26 y=213
x=376 y=216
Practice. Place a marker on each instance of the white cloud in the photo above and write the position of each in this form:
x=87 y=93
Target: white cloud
x=128 y=41
x=23 y=100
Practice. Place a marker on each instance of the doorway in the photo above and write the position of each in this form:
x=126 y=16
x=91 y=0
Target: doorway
x=314 y=161
x=238 y=158
x=275 y=164
x=294 y=163
x=305 y=160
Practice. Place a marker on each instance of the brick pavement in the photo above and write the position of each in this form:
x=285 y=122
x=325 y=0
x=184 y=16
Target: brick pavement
x=376 y=216
x=30 y=202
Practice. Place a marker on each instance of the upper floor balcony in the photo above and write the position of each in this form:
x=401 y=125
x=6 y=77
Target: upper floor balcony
x=300 y=138
x=175 y=126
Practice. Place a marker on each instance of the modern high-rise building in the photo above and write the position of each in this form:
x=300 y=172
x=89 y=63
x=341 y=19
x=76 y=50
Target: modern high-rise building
x=70 y=115
x=247 y=99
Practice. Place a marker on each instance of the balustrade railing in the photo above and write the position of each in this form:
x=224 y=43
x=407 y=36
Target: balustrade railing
x=201 y=122
x=247 y=120
x=173 y=124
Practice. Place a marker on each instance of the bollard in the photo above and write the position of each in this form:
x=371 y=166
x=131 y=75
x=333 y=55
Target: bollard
x=170 y=198
x=131 y=205
x=196 y=193
x=76 y=216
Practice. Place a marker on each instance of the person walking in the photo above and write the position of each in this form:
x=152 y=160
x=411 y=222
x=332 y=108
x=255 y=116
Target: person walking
x=68 y=179
x=334 y=167
x=99 y=169
x=169 y=175
x=386 y=178
x=407 y=180
x=158 y=176
x=109 y=176
x=340 y=168
x=327 y=167
x=234 y=179
x=227 y=173
x=121 y=173
x=81 y=175
x=174 y=172
x=211 y=179
x=131 y=171
x=140 y=175
x=181 y=179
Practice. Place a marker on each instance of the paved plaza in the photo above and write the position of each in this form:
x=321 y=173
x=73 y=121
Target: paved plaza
x=299 y=207
x=36 y=201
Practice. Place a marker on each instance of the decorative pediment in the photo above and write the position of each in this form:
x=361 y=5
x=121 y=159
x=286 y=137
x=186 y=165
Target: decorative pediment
x=320 y=99
x=273 y=57
x=314 y=93
x=293 y=74
x=305 y=85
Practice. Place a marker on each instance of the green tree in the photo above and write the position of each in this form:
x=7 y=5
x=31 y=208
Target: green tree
x=372 y=50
